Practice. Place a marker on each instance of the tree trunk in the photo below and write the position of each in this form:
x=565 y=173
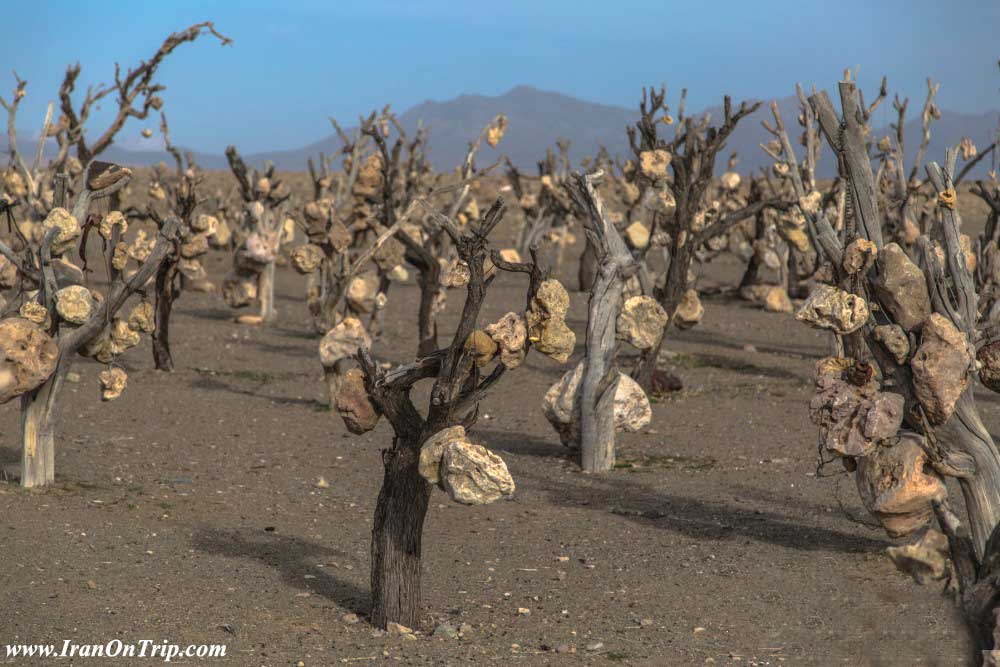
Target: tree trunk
x=396 y=536
x=38 y=449
x=600 y=373
x=429 y=279
x=587 y=273
x=165 y=295
x=645 y=372
x=265 y=289
x=752 y=275
x=965 y=432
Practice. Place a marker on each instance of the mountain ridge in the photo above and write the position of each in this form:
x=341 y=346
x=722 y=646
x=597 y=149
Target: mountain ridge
x=537 y=118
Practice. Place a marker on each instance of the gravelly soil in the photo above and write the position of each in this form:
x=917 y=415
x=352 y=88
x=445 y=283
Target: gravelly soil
x=189 y=510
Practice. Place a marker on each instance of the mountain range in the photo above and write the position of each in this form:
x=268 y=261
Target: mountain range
x=537 y=118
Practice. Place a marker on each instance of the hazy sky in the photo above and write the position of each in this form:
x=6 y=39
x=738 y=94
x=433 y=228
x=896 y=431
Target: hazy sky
x=295 y=62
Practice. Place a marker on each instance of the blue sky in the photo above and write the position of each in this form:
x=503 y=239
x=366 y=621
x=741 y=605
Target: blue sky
x=295 y=62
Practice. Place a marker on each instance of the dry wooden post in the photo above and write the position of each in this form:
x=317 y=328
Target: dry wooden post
x=434 y=449
x=913 y=421
x=600 y=374
x=39 y=352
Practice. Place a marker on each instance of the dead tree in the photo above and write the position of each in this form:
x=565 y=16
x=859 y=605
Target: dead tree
x=595 y=399
x=676 y=201
x=263 y=227
x=897 y=405
x=135 y=92
x=434 y=448
x=58 y=317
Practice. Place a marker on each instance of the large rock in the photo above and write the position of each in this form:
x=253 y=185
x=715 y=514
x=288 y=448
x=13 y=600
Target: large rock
x=940 y=367
x=432 y=451
x=901 y=288
x=29 y=357
x=989 y=370
x=75 y=304
x=852 y=418
x=239 y=291
x=362 y=291
x=353 y=405
x=925 y=560
x=830 y=308
x=343 y=341
x=562 y=409
x=510 y=333
x=641 y=322
x=307 y=258
x=473 y=475
x=546 y=321
x=898 y=486
x=894 y=340
x=68 y=229
x=113 y=381
x=689 y=311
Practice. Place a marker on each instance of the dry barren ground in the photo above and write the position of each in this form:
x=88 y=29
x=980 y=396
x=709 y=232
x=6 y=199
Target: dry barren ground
x=190 y=510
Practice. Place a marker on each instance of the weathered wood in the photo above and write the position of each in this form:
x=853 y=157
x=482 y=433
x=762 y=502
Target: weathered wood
x=600 y=370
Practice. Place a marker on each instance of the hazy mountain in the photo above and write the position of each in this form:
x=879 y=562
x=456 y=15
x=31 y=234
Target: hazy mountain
x=537 y=118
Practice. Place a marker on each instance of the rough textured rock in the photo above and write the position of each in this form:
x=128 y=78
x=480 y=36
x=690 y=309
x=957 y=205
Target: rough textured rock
x=940 y=367
x=830 y=308
x=113 y=381
x=473 y=475
x=362 y=290
x=898 y=486
x=455 y=274
x=653 y=164
x=776 y=300
x=34 y=312
x=142 y=318
x=29 y=357
x=561 y=408
x=122 y=337
x=353 y=405
x=730 y=180
x=510 y=255
x=859 y=256
x=75 y=304
x=389 y=255
x=482 y=347
x=109 y=222
x=433 y=449
x=989 y=369
x=261 y=250
x=510 y=333
x=307 y=258
x=637 y=236
x=851 y=418
x=641 y=322
x=901 y=288
x=689 y=311
x=194 y=246
x=894 y=340
x=546 y=323
x=343 y=341
x=69 y=229
x=925 y=560
x=205 y=224
x=238 y=291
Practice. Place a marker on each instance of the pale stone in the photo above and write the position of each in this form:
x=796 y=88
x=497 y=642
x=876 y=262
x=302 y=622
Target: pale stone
x=510 y=333
x=901 y=288
x=473 y=475
x=641 y=322
x=113 y=383
x=940 y=367
x=433 y=449
x=343 y=341
x=353 y=405
x=75 y=304
x=689 y=311
x=830 y=308
x=29 y=357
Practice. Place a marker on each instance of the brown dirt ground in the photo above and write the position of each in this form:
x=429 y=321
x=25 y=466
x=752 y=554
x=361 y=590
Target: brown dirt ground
x=188 y=510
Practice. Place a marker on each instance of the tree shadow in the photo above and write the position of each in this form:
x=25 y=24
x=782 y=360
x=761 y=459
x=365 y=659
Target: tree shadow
x=523 y=444
x=694 y=518
x=210 y=383
x=293 y=558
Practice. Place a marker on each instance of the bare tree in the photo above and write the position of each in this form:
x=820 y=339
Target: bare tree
x=897 y=404
x=59 y=317
x=433 y=448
